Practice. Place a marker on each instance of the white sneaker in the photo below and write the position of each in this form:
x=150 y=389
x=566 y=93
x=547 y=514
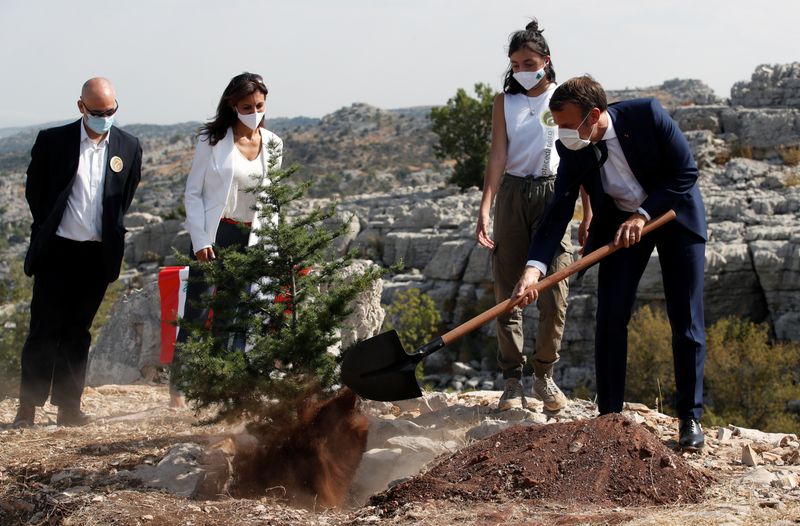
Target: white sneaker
x=513 y=395
x=546 y=390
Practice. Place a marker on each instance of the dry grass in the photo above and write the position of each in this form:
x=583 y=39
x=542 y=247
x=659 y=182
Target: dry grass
x=790 y=154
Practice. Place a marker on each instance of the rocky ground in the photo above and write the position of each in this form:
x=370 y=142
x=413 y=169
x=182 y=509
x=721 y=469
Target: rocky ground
x=138 y=463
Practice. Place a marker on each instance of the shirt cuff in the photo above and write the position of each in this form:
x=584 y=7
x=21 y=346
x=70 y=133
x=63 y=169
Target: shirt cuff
x=642 y=211
x=537 y=264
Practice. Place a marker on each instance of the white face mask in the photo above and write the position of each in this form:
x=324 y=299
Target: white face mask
x=251 y=120
x=572 y=138
x=529 y=79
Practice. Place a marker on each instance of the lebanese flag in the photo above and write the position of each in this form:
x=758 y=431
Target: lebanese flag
x=172 y=291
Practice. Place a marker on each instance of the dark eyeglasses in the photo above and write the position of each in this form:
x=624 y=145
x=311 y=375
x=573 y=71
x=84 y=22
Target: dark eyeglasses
x=106 y=113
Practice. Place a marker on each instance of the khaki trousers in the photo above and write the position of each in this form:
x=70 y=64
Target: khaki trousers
x=519 y=205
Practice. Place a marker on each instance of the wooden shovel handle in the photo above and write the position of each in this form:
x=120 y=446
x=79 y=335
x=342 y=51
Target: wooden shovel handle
x=549 y=281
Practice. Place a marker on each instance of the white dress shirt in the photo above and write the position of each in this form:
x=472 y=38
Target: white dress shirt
x=618 y=182
x=617 y=176
x=83 y=216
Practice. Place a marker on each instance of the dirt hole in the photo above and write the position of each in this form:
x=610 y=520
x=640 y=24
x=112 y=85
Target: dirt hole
x=311 y=462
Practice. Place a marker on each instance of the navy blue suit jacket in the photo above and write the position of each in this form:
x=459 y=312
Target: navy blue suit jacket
x=659 y=157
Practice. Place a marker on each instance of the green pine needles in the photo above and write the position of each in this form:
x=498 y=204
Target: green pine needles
x=277 y=309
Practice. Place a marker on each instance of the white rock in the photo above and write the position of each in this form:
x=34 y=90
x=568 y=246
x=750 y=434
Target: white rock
x=749 y=457
x=381 y=430
x=417 y=444
x=188 y=470
x=760 y=476
x=785 y=481
x=776 y=439
x=487 y=428
x=724 y=434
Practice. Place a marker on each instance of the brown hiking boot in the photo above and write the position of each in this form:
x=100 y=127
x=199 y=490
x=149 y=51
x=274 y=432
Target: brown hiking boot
x=26 y=414
x=513 y=395
x=546 y=390
x=72 y=416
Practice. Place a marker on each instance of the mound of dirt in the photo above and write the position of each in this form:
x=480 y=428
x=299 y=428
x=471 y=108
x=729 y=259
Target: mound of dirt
x=608 y=460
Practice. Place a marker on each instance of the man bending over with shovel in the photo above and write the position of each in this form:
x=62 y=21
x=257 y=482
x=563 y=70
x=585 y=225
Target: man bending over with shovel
x=635 y=164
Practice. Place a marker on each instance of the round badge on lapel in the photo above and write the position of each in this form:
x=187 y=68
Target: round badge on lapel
x=116 y=164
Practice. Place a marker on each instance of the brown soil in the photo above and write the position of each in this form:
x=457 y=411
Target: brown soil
x=312 y=462
x=608 y=460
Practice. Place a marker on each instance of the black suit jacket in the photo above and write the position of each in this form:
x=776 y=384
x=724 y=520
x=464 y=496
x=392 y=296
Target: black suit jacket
x=661 y=161
x=51 y=174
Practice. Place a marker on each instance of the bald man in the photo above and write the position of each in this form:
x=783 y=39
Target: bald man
x=81 y=180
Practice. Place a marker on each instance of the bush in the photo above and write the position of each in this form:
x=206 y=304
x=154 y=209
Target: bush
x=790 y=154
x=415 y=318
x=651 y=378
x=748 y=380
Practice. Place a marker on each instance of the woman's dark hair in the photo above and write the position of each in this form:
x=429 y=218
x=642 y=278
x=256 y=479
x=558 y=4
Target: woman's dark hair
x=584 y=92
x=238 y=88
x=530 y=38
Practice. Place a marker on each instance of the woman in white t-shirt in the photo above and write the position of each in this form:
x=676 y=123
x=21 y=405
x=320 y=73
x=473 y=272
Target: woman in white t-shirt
x=519 y=178
x=233 y=155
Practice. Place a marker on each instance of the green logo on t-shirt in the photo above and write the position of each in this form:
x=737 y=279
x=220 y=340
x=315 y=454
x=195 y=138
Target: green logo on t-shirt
x=547 y=119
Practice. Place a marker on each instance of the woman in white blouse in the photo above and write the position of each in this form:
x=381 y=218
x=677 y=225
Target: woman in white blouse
x=233 y=155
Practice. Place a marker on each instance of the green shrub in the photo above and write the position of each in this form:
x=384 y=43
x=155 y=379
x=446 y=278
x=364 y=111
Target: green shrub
x=414 y=316
x=748 y=380
x=650 y=379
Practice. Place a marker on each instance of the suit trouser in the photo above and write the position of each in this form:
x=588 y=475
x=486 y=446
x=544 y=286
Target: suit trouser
x=519 y=205
x=196 y=309
x=68 y=287
x=681 y=254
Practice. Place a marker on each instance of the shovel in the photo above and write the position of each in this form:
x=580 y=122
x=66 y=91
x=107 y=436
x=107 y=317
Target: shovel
x=378 y=368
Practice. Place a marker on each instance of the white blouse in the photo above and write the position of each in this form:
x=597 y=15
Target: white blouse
x=247 y=174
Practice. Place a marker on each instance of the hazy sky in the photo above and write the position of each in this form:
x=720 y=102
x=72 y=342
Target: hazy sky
x=171 y=59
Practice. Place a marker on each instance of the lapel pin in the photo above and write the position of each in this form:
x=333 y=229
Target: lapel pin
x=116 y=164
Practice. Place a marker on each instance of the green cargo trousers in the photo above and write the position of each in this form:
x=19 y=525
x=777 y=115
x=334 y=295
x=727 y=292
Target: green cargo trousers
x=519 y=204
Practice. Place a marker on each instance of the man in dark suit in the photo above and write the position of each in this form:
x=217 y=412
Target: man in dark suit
x=635 y=164
x=81 y=181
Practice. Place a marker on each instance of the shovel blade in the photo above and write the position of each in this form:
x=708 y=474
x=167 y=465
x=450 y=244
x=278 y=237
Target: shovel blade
x=378 y=368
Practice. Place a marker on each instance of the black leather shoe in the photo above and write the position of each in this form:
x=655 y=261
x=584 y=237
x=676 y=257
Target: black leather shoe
x=25 y=416
x=72 y=416
x=691 y=434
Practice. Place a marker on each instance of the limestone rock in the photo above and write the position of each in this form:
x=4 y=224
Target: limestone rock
x=760 y=476
x=155 y=241
x=724 y=435
x=488 y=428
x=775 y=439
x=140 y=219
x=179 y=472
x=450 y=260
x=769 y=86
x=749 y=457
x=130 y=342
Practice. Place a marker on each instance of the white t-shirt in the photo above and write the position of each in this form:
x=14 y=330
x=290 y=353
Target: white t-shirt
x=532 y=134
x=246 y=174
